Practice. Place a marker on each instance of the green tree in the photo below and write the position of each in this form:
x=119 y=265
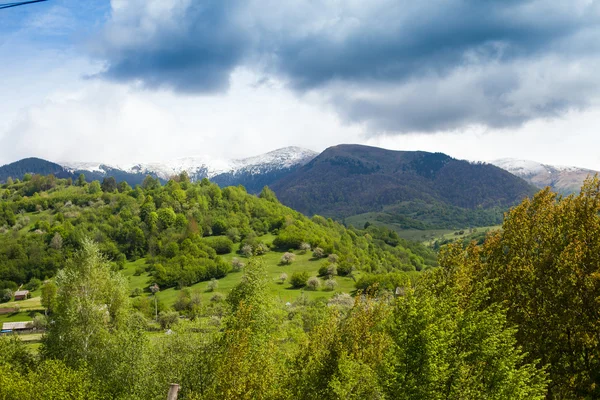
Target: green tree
x=81 y=180
x=109 y=184
x=544 y=266
x=49 y=292
x=91 y=302
x=94 y=187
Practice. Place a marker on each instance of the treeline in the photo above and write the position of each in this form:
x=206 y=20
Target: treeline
x=180 y=227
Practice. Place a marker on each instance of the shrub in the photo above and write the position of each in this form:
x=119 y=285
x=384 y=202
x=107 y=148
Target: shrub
x=318 y=253
x=282 y=278
x=33 y=285
x=137 y=292
x=313 y=283
x=213 y=285
x=217 y=297
x=333 y=258
x=168 y=319
x=299 y=279
x=139 y=270
x=287 y=258
x=341 y=300
x=237 y=264
x=247 y=250
x=304 y=247
x=330 y=284
x=261 y=249
x=222 y=245
x=6 y=295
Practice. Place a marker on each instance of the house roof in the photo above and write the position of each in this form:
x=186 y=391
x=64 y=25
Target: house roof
x=21 y=292
x=11 y=326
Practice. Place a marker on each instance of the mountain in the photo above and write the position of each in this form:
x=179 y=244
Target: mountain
x=347 y=180
x=253 y=172
x=32 y=165
x=565 y=180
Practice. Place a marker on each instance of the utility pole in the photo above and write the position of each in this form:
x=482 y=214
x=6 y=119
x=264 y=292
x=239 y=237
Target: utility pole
x=155 y=289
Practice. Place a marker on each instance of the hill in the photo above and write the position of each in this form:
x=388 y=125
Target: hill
x=562 y=179
x=347 y=180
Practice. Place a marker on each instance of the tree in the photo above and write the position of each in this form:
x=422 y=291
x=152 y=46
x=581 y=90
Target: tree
x=167 y=319
x=6 y=295
x=94 y=187
x=49 y=292
x=81 y=180
x=123 y=187
x=213 y=285
x=304 y=247
x=299 y=279
x=109 y=184
x=287 y=258
x=57 y=241
x=91 y=302
x=282 y=278
x=318 y=253
x=313 y=283
x=544 y=267
x=237 y=264
x=330 y=284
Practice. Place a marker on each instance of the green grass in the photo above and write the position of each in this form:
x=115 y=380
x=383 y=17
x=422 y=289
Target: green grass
x=284 y=292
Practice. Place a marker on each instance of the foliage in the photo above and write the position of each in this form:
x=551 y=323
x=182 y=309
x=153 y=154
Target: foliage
x=299 y=279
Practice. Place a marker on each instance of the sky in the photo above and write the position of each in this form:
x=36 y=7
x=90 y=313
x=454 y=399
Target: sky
x=127 y=81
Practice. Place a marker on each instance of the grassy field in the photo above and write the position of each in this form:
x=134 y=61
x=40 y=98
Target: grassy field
x=284 y=292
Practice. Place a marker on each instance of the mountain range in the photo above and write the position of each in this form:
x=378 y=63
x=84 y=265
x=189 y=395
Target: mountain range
x=406 y=189
x=561 y=179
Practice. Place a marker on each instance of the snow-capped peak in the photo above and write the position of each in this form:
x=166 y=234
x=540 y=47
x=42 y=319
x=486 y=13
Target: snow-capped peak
x=204 y=166
x=520 y=167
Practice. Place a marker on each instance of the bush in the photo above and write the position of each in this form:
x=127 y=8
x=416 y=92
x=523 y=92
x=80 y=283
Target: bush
x=213 y=285
x=299 y=279
x=330 y=284
x=261 y=249
x=282 y=278
x=304 y=247
x=168 y=319
x=247 y=250
x=139 y=270
x=137 y=292
x=341 y=300
x=333 y=258
x=287 y=258
x=217 y=297
x=33 y=285
x=237 y=264
x=222 y=245
x=313 y=283
x=318 y=253
x=6 y=295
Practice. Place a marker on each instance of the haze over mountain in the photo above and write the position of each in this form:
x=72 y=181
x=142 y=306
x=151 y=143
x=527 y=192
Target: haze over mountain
x=562 y=179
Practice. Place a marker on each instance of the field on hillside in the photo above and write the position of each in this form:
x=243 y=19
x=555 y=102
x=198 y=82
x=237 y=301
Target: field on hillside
x=284 y=292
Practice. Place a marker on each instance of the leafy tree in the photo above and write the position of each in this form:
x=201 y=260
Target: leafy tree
x=91 y=302
x=94 y=187
x=313 y=283
x=109 y=184
x=81 y=180
x=287 y=258
x=544 y=267
x=299 y=279
x=49 y=296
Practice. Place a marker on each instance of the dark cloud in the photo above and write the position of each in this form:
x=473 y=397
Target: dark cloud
x=190 y=48
x=397 y=66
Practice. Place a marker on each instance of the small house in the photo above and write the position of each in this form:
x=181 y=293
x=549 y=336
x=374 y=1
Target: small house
x=21 y=295
x=10 y=327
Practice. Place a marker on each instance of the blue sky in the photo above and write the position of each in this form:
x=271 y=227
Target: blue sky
x=151 y=80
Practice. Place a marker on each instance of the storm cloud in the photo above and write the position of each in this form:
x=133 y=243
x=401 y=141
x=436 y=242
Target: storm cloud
x=393 y=66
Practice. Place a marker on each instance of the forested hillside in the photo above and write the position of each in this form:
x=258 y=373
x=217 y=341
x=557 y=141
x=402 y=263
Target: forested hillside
x=180 y=227
x=347 y=180
x=515 y=317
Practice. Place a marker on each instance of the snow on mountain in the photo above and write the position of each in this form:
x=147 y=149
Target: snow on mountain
x=207 y=167
x=563 y=179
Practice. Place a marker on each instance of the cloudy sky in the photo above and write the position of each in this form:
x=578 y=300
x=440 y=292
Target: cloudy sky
x=153 y=80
